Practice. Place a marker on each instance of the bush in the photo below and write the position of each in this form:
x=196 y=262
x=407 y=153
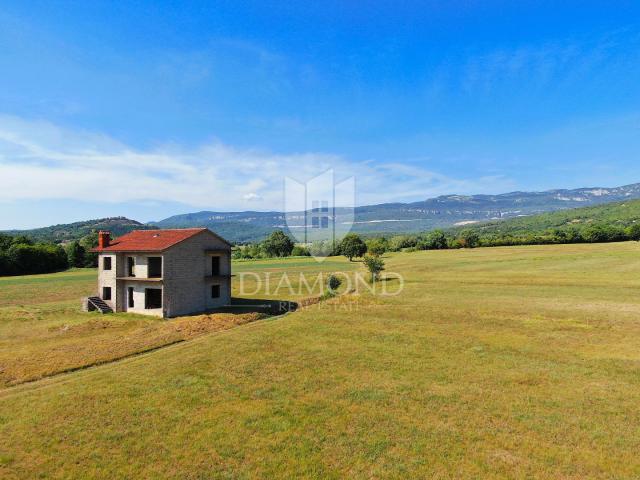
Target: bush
x=300 y=251
x=333 y=283
x=375 y=265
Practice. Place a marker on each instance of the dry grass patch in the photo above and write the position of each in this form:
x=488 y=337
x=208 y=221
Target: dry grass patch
x=66 y=346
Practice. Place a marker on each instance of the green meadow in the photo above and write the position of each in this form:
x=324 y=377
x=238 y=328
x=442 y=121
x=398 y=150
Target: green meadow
x=514 y=362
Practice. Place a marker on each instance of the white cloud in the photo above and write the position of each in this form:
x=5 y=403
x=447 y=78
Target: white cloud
x=252 y=197
x=40 y=161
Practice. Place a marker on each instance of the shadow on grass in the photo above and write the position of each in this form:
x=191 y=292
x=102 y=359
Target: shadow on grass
x=256 y=305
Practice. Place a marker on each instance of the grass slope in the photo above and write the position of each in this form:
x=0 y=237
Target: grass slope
x=621 y=214
x=493 y=363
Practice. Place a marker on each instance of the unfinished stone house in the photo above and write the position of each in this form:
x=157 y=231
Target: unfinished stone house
x=166 y=273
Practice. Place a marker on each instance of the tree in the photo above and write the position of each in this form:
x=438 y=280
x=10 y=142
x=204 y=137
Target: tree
x=88 y=242
x=75 y=254
x=398 y=242
x=278 y=245
x=377 y=246
x=21 y=240
x=469 y=239
x=352 y=246
x=634 y=232
x=437 y=240
x=375 y=265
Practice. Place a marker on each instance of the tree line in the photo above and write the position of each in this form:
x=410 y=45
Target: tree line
x=278 y=244
x=20 y=255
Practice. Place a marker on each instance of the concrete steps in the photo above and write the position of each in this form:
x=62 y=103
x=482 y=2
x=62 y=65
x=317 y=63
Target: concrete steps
x=98 y=304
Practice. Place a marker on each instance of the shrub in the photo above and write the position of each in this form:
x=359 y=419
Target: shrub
x=375 y=265
x=300 y=251
x=333 y=283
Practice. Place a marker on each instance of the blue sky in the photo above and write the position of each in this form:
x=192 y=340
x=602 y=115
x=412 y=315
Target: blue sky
x=147 y=109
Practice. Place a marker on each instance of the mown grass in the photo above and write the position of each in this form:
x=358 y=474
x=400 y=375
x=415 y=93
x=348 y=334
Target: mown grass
x=43 y=332
x=492 y=363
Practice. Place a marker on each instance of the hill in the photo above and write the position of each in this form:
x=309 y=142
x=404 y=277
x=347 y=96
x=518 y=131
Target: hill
x=613 y=215
x=441 y=212
x=388 y=218
x=75 y=231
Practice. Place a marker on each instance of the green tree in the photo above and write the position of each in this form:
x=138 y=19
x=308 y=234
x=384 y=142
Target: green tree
x=278 y=245
x=75 y=254
x=377 y=246
x=634 y=232
x=398 y=242
x=5 y=242
x=88 y=242
x=21 y=240
x=352 y=246
x=469 y=239
x=375 y=265
x=437 y=240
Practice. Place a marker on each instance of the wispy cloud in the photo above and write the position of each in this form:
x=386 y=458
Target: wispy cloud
x=40 y=161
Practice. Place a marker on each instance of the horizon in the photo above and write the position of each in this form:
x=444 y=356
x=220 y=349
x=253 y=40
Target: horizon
x=152 y=221
x=207 y=107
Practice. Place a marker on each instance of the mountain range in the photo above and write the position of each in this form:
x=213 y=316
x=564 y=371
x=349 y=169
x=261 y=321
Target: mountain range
x=440 y=212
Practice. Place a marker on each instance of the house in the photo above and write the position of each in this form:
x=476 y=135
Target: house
x=165 y=273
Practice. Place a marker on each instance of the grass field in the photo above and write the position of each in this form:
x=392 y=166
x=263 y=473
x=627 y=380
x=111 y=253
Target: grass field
x=492 y=363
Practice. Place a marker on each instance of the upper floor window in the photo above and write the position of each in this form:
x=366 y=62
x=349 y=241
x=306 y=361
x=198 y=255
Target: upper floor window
x=155 y=267
x=131 y=264
x=106 y=263
x=215 y=266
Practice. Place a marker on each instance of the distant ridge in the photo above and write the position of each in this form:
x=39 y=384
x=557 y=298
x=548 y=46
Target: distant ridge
x=75 y=231
x=440 y=212
x=387 y=218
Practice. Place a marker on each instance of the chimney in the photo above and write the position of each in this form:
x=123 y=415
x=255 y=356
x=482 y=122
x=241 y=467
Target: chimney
x=103 y=239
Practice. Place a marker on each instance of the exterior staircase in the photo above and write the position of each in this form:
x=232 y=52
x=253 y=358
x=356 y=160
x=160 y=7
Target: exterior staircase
x=98 y=304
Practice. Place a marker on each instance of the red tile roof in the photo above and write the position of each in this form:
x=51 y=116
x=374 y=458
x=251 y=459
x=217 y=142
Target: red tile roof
x=150 y=240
